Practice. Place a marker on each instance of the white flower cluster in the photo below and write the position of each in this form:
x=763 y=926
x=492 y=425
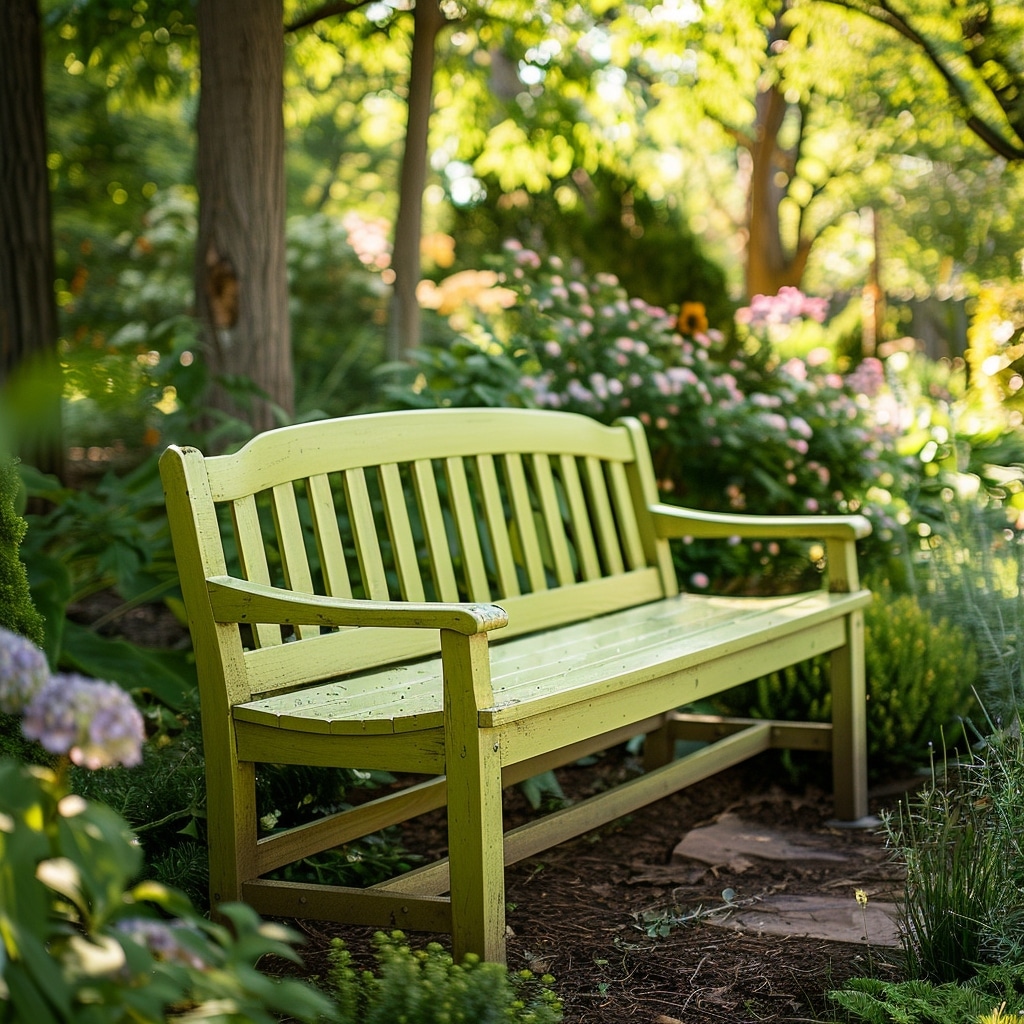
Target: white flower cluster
x=96 y=724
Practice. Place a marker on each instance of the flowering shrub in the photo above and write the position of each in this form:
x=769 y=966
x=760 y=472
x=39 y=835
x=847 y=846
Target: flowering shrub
x=81 y=940
x=738 y=433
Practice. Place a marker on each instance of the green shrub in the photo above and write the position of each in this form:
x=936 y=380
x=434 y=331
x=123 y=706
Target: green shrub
x=920 y=672
x=17 y=612
x=924 y=1002
x=428 y=987
x=961 y=840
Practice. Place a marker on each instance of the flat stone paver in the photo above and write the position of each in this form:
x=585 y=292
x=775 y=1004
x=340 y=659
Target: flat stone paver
x=817 y=917
x=731 y=844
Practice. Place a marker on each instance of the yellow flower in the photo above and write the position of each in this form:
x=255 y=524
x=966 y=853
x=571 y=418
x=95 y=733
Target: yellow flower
x=693 y=318
x=861 y=897
x=998 y=1017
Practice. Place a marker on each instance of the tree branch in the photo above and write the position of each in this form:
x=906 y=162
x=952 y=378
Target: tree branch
x=326 y=11
x=883 y=13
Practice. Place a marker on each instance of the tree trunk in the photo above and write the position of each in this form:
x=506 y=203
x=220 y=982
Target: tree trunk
x=240 y=272
x=769 y=265
x=404 y=318
x=29 y=367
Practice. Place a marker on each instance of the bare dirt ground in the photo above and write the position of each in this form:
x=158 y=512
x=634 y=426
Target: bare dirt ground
x=584 y=910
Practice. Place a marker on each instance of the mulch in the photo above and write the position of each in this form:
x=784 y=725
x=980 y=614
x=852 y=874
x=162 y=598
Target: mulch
x=583 y=911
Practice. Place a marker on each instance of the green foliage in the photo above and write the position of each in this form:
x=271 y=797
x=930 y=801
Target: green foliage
x=110 y=536
x=962 y=841
x=959 y=839
x=727 y=432
x=921 y=671
x=428 y=987
x=924 y=1002
x=971 y=573
x=17 y=613
x=608 y=224
x=84 y=941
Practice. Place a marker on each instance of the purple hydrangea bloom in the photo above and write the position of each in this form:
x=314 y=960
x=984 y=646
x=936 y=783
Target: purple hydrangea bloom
x=162 y=939
x=95 y=723
x=23 y=671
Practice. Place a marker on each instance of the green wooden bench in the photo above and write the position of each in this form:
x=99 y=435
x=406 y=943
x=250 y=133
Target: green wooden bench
x=476 y=596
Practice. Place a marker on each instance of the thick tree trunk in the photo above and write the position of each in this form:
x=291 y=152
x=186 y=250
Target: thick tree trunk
x=29 y=367
x=404 y=316
x=241 y=275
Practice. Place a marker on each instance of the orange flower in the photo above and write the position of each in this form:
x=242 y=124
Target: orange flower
x=693 y=318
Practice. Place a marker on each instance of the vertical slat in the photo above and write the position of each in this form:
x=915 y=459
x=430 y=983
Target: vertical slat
x=644 y=485
x=328 y=537
x=396 y=511
x=464 y=512
x=554 y=527
x=433 y=527
x=253 y=558
x=582 y=531
x=497 y=526
x=526 y=530
x=625 y=516
x=294 y=560
x=364 y=532
x=601 y=509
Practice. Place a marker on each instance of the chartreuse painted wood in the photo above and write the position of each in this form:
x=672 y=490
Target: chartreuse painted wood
x=474 y=596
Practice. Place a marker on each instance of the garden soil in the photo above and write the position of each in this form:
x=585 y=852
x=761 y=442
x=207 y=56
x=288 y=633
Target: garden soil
x=634 y=930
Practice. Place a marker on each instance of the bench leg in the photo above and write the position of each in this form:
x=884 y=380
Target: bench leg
x=231 y=826
x=659 y=746
x=849 y=724
x=475 y=834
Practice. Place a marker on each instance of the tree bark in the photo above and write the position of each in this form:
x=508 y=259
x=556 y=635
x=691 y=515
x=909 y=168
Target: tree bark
x=404 y=315
x=240 y=271
x=29 y=368
x=770 y=264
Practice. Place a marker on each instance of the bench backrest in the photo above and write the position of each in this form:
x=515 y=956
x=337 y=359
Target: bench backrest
x=541 y=512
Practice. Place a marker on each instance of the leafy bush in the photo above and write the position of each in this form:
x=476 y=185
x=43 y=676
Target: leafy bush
x=924 y=1002
x=726 y=432
x=920 y=674
x=17 y=612
x=428 y=987
x=82 y=940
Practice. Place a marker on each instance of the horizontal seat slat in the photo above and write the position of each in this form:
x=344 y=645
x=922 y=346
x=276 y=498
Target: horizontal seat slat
x=543 y=673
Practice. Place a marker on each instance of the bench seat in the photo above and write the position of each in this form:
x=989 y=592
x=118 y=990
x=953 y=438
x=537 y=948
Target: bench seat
x=472 y=597
x=691 y=643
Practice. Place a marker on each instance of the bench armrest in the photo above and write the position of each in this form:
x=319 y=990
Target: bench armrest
x=235 y=600
x=675 y=521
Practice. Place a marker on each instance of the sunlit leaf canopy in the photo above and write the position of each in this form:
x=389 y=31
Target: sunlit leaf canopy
x=534 y=98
